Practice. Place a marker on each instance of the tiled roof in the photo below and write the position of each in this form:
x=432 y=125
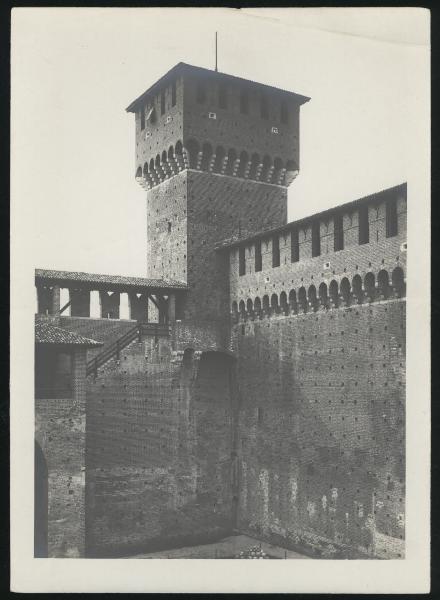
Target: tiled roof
x=45 y=333
x=380 y=196
x=182 y=67
x=66 y=277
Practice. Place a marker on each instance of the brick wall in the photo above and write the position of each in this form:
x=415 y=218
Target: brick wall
x=381 y=253
x=159 y=427
x=60 y=432
x=321 y=429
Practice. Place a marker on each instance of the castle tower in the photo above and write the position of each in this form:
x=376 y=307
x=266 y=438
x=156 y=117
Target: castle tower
x=216 y=154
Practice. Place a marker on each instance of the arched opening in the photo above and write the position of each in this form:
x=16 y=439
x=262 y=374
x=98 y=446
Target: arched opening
x=139 y=172
x=244 y=159
x=234 y=311
x=313 y=301
x=383 y=284
x=334 y=293
x=170 y=153
x=274 y=303
x=41 y=498
x=193 y=151
x=255 y=161
x=267 y=163
x=164 y=156
x=219 y=157
x=357 y=288
x=369 y=286
x=157 y=161
x=249 y=307
x=179 y=148
x=206 y=156
x=345 y=291
x=323 y=295
x=152 y=170
x=188 y=355
x=257 y=305
x=242 y=309
x=398 y=282
x=292 y=301
x=278 y=165
x=266 y=303
x=302 y=299
x=232 y=155
x=283 y=302
x=145 y=172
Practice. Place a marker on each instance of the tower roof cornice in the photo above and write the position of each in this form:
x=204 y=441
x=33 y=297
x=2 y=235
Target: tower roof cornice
x=184 y=69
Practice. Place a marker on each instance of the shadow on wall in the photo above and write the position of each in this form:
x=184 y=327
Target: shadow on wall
x=40 y=504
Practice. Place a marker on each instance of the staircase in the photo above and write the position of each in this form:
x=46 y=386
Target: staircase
x=155 y=330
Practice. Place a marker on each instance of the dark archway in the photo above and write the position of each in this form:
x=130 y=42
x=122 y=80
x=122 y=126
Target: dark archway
x=398 y=281
x=215 y=399
x=192 y=148
x=41 y=502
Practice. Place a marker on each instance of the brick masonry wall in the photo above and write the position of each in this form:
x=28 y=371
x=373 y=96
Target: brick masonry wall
x=204 y=209
x=321 y=429
x=380 y=253
x=220 y=207
x=233 y=130
x=159 y=429
x=60 y=432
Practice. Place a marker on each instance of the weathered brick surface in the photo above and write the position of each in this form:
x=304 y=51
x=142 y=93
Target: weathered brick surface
x=381 y=253
x=60 y=432
x=159 y=428
x=321 y=428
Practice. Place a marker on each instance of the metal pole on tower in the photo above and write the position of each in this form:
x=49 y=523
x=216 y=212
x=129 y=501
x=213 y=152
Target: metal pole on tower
x=216 y=51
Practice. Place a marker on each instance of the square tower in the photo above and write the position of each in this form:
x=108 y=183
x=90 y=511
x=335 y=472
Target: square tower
x=216 y=154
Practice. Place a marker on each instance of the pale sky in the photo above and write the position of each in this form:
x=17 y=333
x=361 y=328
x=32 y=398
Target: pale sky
x=75 y=70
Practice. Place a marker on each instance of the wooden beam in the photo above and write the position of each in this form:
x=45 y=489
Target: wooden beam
x=65 y=306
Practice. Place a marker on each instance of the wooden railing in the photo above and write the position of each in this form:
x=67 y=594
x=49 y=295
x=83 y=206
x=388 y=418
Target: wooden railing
x=113 y=350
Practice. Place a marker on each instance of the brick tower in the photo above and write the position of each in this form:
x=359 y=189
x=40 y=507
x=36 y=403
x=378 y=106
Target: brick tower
x=216 y=154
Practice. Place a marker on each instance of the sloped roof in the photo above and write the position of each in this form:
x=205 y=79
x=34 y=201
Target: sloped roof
x=66 y=277
x=182 y=67
x=46 y=333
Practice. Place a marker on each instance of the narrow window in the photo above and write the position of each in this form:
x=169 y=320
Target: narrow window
x=173 y=94
x=260 y=415
x=391 y=218
x=142 y=118
x=264 y=108
x=241 y=261
x=169 y=226
x=284 y=113
x=201 y=93
x=258 y=257
x=364 y=227
x=244 y=103
x=222 y=97
x=294 y=246
x=275 y=251
x=338 y=233
x=162 y=102
x=316 y=240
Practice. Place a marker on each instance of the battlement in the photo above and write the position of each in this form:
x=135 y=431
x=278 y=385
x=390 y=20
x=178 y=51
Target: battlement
x=344 y=255
x=202 y=119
